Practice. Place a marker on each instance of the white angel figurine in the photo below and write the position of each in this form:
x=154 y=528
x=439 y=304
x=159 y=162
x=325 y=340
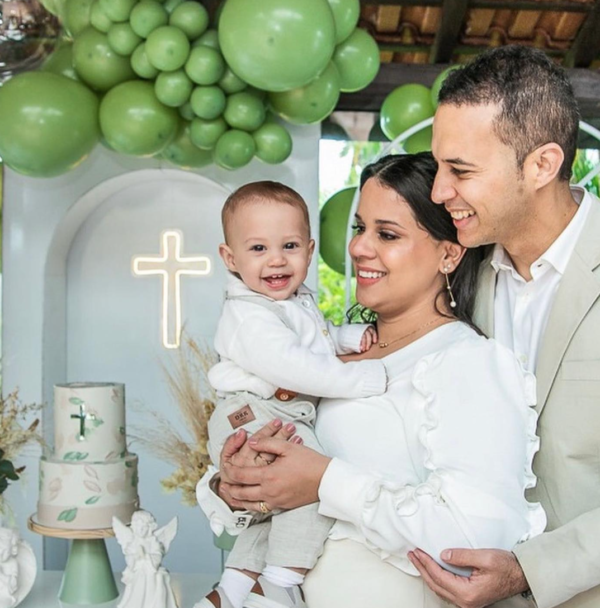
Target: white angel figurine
x=147 y=583
x=17 y=568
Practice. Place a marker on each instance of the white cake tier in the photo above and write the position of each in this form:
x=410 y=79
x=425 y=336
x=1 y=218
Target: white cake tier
x=89 y=421
x=85 y=496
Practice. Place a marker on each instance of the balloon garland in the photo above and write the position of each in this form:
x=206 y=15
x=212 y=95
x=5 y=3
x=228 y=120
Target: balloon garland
x=154 y=78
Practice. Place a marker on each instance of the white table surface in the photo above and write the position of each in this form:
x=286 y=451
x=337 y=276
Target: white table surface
x=188 y=589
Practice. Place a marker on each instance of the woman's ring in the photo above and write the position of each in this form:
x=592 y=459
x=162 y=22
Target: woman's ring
x=263 y=507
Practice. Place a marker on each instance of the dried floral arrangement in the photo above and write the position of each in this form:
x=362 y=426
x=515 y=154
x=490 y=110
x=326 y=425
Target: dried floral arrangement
x=14 y=436
x=195 y=400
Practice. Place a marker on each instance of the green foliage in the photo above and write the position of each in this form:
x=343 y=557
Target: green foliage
x=7 y=472
x=331 y=294
x=585 y=161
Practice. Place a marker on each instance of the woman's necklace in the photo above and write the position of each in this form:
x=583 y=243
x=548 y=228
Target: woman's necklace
x=411 y=333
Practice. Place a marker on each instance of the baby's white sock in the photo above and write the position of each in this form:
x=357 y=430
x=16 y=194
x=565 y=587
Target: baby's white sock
x=282 y=577
x=236 y=586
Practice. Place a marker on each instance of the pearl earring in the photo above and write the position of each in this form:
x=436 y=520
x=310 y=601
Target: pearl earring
x=450 y=294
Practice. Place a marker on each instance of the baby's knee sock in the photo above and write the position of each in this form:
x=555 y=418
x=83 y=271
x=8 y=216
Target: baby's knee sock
x=282 y=577
x=236 y=585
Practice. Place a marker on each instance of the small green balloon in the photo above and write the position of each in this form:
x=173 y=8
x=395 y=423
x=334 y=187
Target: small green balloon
x=358 y=61
x=209 y=38
x=186 y=112
x=134 y=122
x=77 y=15
x=147 y=16
x=99 y=19
x=141 y=65
x=244 y=111
x=333 y=225
x=205 y=133
x=97 y=64
x=208 y=102
x=234 y=149
x=48 y=123
x=61 y=61
x=173 y=88
x=191 y=18
x=171 y=5
x=404 y=107
x=345 y=14
x=167 y=48
x=117 y=10
x=311 y=103
x=419 y=142
x=122 y=39
x=273 y=143
x=230 y=83
x=205 y=66
x=438 y=82
x=183 y=153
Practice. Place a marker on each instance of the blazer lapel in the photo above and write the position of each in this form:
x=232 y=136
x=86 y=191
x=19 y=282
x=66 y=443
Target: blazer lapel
x=578 y=290
x=483 y=314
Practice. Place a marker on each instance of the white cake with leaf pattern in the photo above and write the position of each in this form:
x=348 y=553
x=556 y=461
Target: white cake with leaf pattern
x=90 y=477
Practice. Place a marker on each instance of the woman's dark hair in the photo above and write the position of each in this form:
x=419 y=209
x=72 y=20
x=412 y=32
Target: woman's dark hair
x=411 y=176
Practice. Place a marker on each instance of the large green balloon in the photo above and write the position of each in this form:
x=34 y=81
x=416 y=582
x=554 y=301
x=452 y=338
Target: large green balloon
x=234 y=149
x=404 y=107
x=77 y=15
x=183 y=153
x=419 y=142
x=61 y=61
x=97 y=64
x=311 y=103
x=345 y=14
x=48 y=123
x=438 y=82
x=134 y=122
x=357 y=59
x=273 y=143
x=333 y=226
x=277 y=45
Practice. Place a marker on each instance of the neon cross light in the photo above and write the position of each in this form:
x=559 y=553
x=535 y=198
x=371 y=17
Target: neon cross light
x=171 y=265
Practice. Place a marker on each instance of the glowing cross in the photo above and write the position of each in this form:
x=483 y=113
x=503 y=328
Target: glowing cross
x=170 y=264
x=82 y=417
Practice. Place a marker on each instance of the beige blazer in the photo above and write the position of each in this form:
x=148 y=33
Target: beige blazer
x=563 y=564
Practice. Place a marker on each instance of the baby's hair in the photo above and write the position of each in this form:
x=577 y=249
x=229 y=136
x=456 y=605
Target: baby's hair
x=262 y=192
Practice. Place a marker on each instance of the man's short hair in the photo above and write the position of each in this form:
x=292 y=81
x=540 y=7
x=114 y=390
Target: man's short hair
x=263 y=192
x=536 y=100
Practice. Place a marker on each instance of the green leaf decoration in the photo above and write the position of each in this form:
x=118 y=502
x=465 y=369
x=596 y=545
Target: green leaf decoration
x=92 y=500
x=68 y=515
x=76 y=455
x=96 y=422
x=76 y=401
x=128 y=464
x=122 y=430
x=134 y=479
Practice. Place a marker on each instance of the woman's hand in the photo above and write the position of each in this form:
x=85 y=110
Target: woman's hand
x=291 y=481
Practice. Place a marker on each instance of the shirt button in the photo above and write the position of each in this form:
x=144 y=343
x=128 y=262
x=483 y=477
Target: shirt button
x=306 y=303
x=524 y=359
x=325 y=332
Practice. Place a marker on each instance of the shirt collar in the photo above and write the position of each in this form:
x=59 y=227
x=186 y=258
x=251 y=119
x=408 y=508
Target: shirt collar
x=237 y=287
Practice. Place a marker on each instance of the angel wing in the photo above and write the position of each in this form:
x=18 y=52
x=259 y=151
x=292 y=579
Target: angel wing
x=167 y=533
x=122 y=532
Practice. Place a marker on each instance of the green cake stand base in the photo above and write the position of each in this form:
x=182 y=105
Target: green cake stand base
x=88 y=577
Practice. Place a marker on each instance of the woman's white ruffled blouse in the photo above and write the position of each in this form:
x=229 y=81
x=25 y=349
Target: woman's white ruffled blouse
x=443 y=459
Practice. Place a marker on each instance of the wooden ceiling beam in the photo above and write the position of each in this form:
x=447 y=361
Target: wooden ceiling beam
x=564 y=6
x=453 y=16
x=586 y=45
x=586 y=85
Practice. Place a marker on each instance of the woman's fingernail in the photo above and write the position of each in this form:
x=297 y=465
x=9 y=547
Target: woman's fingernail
x=297 y=440
x=290 y=427
x=252 y=441
x=277 y=423
x=446 y=554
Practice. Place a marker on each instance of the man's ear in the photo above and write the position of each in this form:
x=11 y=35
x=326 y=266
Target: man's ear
x=226 y=254
x=545 y=163
x=311 y=249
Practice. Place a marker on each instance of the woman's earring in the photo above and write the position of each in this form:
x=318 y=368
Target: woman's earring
x=450 y=294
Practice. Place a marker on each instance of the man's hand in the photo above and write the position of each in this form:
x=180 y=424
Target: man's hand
x=368 y=339
x=496 y=576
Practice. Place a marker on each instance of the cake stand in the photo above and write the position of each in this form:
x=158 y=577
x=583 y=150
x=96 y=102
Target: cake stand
x=88 y=577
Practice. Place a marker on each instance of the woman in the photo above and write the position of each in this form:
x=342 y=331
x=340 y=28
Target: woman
x=444 y=458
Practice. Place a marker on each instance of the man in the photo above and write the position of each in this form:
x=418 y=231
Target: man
x=505 y=136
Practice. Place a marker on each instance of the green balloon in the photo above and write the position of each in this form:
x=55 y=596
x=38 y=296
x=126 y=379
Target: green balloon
x=117 y=10
x=173 y=88
x=230 y=83
x=147 y=16
x=273 y=143
x=96 y=63
x=311 y=103
x=357 y=59
x=183 y=153
x=208 y=102
x=99 y=19
x=48 y=123
x=438 y=82
x=167 y=48
x=134 y=122
x=404 y=107
x=333 y=226
x=209 y=38
x=77 y=15
x=419 y=142
x=234 y=149
x=140 y=64
x=244 y=111
x=205 y=133
x=345 y=14
x=171 y=5
x=122 y=39
x=186 y=112
x=205 y=66
x=191 y=18
x=61 y=61
x=277 y=45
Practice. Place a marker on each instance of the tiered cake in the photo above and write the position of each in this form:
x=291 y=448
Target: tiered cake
x=90 y=476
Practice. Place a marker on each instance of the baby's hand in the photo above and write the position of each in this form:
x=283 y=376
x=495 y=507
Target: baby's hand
x=368 y=339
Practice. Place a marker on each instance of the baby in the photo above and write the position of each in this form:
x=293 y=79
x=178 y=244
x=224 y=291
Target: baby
x=277 y=357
